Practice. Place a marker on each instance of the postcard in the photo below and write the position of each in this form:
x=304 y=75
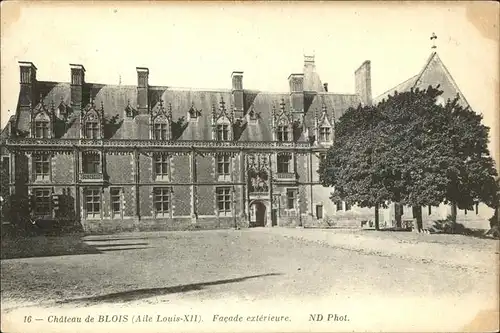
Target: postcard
x=249 y=167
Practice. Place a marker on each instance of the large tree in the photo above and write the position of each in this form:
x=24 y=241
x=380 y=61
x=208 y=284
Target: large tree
x=411 y=150
x=352 y=164
x=416 y=161
x=471 y=170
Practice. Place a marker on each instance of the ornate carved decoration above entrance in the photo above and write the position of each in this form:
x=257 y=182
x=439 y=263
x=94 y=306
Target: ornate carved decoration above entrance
x=258 y=174
x=258 y=181
x=258 y=162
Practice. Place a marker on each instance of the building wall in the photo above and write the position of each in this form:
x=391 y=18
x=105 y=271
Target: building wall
x=198 y=187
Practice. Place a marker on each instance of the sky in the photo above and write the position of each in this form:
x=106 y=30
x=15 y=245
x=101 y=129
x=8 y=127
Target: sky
x=199 y=45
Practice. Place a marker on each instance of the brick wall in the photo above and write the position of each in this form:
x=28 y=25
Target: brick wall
x=205 y=168
x=129 y=201
x=62 y=168
x=181 y=201
x=206 y=200
x=145 y=168
x=146 y=201
x=120 y=168
x=180 y=169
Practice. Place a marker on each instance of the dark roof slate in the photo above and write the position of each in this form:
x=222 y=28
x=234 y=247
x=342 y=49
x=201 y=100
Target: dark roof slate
x=115 y=99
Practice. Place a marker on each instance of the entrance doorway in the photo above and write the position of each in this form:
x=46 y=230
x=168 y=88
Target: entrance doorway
x=258 y=215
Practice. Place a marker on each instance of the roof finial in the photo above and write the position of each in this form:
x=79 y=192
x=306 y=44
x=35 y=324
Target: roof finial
x=222 y=104
x=119 y=80
x=433 y=38
x=282 y=105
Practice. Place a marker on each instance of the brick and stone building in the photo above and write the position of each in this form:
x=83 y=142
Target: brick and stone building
x=144 y=157
x=113 y=157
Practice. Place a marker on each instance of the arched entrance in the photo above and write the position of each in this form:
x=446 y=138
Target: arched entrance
x=258 y=214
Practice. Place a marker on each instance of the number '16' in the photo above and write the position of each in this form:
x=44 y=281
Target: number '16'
x=27 y=319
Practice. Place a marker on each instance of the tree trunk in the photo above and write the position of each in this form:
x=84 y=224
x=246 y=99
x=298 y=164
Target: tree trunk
x=397 y=211
x=417 y=215
x=376 y=217
x=453 y=216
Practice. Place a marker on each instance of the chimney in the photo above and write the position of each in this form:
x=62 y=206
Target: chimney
x=363 y=83
x=296 y=82
x=77 y=83
x=309 y=63
x=325 y=87
x=237 y=92
x=142 y=90
x=28 y=83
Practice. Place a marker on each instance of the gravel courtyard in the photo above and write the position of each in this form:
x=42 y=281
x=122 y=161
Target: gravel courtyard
x=253 y=264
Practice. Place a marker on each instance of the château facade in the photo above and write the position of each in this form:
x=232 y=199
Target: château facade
x=111 y=157
x=144 y=157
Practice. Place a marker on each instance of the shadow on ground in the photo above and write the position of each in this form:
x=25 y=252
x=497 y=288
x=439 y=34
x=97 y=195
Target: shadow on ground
x=138 y=294
x=50 y=246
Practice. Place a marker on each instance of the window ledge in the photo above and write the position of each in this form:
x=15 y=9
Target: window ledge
x=224 y=178
x=225 y=215
x=285 y=175
x=163 y=179
x=42 y=181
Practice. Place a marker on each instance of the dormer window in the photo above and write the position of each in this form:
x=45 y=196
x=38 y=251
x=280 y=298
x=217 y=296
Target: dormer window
x=222 y=132
x=253 y=116
x=63 y=109
x=91 y=130
x=193 y=113
x=222 y=122
x=282 y=133
x=92 y=120
x=282 y=123
x=41 y=129
x=161 y=122
x=160 y=131
x=129 y=110
x=324 y=124
x=324 y=134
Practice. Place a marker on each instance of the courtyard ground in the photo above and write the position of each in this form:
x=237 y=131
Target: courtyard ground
x=251 y=265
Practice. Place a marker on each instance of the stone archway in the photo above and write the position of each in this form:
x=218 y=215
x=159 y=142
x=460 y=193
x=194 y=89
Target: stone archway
x=259 y=213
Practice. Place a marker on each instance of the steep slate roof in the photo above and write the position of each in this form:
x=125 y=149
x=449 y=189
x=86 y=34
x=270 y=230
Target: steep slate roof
x=5 y=133
x=116 y=98
x=434 y=72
